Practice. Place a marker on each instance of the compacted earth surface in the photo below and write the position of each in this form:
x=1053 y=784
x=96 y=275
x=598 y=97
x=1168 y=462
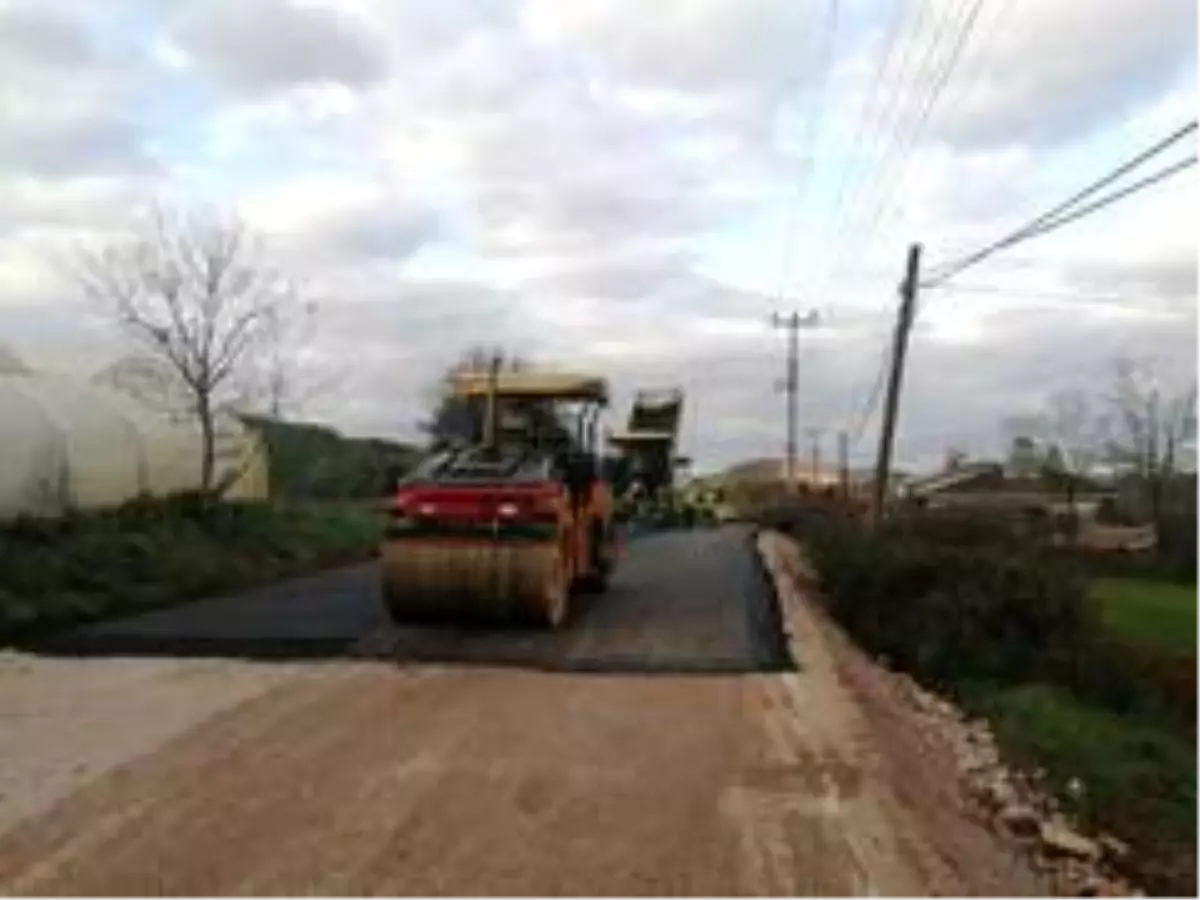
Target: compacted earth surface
x=701 y=734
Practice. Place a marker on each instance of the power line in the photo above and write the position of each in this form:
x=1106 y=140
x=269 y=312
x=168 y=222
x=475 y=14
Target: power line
x=1116 y=173
x=1096 y=185
x=886 y=209
x=810 y=142
x=936 y=72
x=1115 y=196
x=873 y=396
x=886 y=135
x=1045 y=223
x=885 y=57
x=1034 y=293
x=965 y=27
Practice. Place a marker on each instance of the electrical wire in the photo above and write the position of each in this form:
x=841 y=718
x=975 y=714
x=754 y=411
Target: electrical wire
x=1116 y=173
x=973 y=77
x=811 y=136
x=884 y=58
x=888 y=178
x=1044 y=225
x=934 y=71
x=885 y=211
x=872 y=402
x=1033 y=293
x=844 y=213
x=1109 y=199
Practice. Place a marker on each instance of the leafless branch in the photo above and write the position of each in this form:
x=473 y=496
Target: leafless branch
x=199 y=293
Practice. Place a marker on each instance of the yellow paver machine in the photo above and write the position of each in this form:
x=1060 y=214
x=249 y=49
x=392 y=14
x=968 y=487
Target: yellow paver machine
x=648 y=442
x=506 y=529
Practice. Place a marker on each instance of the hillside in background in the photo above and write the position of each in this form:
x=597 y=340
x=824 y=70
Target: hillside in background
x=318 y=463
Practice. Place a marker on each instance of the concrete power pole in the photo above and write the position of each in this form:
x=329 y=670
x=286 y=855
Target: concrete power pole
x=792 y=324
x=904 y=320
x=814 y=435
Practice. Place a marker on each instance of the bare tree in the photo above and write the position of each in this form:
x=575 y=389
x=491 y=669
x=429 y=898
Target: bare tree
x=1073 y=434
x=1150 y=428
x=198 y=293
x=286 y=374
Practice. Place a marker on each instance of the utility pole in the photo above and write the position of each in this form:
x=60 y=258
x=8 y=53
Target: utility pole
x=792 y=323
x=904 y=320
x=814 y=435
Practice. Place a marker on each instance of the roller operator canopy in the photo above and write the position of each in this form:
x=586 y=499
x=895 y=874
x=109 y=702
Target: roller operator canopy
x=563 y=386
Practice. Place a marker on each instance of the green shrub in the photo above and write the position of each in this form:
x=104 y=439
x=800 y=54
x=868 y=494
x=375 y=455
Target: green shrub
x=948 y=613
x=148 y=553
x=1137 y=778
x=954 y=601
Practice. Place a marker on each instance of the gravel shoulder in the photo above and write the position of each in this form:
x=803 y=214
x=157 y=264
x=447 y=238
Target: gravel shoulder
x=346 y=777
x=64 y=722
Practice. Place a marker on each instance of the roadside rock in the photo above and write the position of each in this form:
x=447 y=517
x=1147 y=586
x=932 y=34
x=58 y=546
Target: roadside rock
x=999 y=794
x=1018 y=804
x=1059 y=840
x=1019 y=819
x=1114 y=849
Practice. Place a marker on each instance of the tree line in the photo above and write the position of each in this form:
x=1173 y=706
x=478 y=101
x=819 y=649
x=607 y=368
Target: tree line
x=1136 y=428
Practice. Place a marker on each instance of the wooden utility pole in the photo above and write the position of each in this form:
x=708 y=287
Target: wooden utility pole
x=792 y=324
x=904 y=320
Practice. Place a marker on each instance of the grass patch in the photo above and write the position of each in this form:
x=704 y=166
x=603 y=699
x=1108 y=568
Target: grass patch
x=153 y=554
x=1138 y=777
x=1133 y=770
x=1155 y=615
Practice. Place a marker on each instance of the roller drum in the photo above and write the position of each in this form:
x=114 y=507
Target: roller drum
x=467 y=583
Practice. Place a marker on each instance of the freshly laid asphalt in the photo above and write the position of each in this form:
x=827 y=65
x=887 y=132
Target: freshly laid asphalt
x=679 y=602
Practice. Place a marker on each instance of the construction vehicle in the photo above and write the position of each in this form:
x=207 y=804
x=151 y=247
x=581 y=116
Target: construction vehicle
x=648 y=445
x=507 y=528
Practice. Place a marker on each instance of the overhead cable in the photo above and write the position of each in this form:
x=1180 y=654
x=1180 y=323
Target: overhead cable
x=809 y=146
x=1048 y=221
x=958 y=30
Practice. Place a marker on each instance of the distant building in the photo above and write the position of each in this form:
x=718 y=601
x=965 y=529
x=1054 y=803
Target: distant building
x=774 y=471
x=991 y=485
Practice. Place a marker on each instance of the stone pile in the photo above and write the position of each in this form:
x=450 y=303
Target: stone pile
x=1017 y=806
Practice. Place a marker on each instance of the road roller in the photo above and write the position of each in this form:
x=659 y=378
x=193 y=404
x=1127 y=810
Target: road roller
x=508 y=528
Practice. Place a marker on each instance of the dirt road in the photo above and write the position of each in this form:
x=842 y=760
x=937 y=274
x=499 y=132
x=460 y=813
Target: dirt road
x=364 y=776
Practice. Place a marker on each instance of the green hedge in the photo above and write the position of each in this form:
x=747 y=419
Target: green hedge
x=312 y=462
x=153 y=553
x=949 y=601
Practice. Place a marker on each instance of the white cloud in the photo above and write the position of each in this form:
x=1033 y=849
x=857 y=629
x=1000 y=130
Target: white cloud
x=698 y=46
x=603 y=183
x=271 y=44
x=1053 y=70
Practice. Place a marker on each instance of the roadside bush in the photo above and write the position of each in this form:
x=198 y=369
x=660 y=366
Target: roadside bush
x=962 y=528
x=155 y=552
x=957 y=598
x=949 y=612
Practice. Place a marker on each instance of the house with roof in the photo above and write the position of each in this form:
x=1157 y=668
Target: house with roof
x=1008 y=488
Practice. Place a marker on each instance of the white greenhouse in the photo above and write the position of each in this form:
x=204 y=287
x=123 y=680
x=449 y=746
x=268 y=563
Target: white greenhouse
x=70 y=444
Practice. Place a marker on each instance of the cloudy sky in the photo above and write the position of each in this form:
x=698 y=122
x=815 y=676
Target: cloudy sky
x=632 y=187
